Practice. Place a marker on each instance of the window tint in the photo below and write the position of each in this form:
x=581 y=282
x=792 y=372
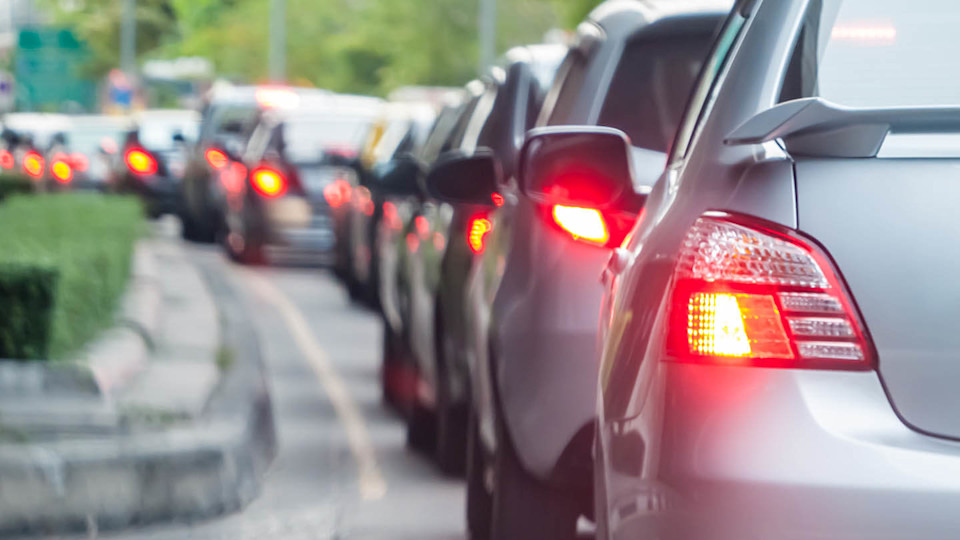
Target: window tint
x=704 y=92
x=306 y=139
x=570 y=80
x=650 y=88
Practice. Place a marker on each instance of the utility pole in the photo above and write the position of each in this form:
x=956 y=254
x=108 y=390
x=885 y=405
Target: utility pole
x=128 y=38
x=487 y=20
x=278 y=40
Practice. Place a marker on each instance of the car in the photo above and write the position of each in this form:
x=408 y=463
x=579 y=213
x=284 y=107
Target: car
x=447 y=241
x=402 y=131
x=85 y=151
x=152 y=158
x=533 y=299
x=227 y=120
x=281 y=194
x=28 y=138
x=399 y=231
x=778 y=345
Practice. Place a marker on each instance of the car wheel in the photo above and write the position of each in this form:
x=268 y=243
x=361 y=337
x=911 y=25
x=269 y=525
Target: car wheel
x=451 y=418
x=421 y=429
x=479 y=499
x=525 y=507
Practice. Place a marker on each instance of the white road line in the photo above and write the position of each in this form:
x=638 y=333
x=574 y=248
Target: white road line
x=372 y=484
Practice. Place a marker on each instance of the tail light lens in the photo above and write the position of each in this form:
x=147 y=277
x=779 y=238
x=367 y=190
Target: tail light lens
x=7 y=160
x=33 y=164
x=62 y=171
x=748 y=294
x=477 y=231
x=216 y=159
x=268 y=182
x=79 y=162
x=337 y=193
x=140 y=162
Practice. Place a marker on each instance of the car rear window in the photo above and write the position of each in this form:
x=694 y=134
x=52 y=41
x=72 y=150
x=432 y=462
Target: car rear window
x=306 y=140
x=651 y=87
x=881 y=53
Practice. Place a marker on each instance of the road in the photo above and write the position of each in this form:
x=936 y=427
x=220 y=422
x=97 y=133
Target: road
x=342 y=469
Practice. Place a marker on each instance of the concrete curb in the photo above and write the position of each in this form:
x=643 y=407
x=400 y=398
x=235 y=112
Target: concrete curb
x=187 y=473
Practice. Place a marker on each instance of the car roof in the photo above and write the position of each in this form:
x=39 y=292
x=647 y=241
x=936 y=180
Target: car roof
x=619 y=16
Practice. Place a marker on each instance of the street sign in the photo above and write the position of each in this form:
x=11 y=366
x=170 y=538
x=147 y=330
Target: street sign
x=49 y=68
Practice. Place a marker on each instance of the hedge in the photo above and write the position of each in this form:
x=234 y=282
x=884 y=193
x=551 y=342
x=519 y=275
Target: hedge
x=76 y=249
x=14 y=183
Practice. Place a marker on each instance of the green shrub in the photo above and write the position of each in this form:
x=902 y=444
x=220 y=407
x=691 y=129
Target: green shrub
x=14 y=183
x=26 y=309
x=89 y=240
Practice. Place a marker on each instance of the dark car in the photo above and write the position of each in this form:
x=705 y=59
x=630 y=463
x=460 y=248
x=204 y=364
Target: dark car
x=282 y=194
x=152 y=158
x=533 y=299
x=449 y=239
x=227 y=121
x=388 y=157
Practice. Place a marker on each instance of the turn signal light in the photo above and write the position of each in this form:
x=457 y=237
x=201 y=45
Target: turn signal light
x=582 y=223
x=755 y=294
x=215 y=158
x=268 y=182
x=140 y=162
x=33 y=164
x=6 y=159
x=477 y=234
x=61 y=171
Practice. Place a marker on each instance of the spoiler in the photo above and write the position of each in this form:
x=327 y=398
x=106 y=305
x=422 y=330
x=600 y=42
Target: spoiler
x=816 y=127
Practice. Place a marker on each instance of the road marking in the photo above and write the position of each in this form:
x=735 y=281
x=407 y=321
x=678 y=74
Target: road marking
x=372 y=484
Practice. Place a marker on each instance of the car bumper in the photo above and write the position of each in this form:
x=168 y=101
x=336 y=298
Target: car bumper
x=750 y=454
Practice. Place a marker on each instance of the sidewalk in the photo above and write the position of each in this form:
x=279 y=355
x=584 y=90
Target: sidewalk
x=167 y=416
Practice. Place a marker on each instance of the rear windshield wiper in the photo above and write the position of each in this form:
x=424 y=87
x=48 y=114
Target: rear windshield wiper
x=816 y=127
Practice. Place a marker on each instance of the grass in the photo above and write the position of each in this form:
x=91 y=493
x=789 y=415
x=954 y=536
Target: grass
x=89 y=239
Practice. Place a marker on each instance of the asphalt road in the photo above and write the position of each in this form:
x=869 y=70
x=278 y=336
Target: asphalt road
x=342 y=469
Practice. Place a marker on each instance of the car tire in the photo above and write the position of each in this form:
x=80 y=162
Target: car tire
x=479 y=498
x=421 y=429
x=525 y=507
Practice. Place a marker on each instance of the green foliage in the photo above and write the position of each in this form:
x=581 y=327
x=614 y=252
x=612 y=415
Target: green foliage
x=88 y=239
x=27 y=299
x=14 y=183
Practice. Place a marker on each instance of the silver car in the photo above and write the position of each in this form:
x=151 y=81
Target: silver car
x=780 y=356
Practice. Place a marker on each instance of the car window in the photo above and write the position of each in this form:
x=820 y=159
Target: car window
x=878 y=53
x=704 y=93
x=650 y=88
x=228 y=122
x=306 y=139
x=563 y=96
x=158 y=134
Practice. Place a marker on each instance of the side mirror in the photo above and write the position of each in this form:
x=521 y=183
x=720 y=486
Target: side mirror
x=578 y=166
x=399 y=176
x=461 y=179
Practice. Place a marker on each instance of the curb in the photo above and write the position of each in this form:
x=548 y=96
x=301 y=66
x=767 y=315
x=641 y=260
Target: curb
x=183 y=474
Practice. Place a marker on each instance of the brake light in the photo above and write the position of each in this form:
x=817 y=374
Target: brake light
x=215 y=158
x=497 y=199
x=477 y=234
x=140 y=162
x=337 y=192
x=79 y=161
x=6 y=159
x=582 y=223
x=61 y=171
x=745 y=294
x=33 y=164
x=268 y=182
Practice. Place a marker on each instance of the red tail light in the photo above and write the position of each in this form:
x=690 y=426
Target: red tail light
x=140 y=162
x=216 y=159
x=477 y=232
x=747 y=294
x=79 y=161
x=337 y=193
x=62 y=171
x=268 y=182
x=7 y=160
x=582 y=223
x=33 y=164
x=497 y=199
